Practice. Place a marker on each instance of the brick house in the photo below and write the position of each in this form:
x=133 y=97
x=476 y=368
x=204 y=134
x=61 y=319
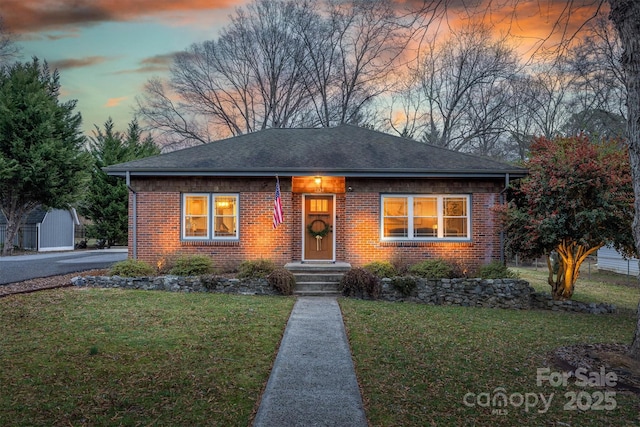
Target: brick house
x=348 y=194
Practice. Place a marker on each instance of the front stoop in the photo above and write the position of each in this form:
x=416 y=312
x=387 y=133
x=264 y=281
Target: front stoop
x=317 y=279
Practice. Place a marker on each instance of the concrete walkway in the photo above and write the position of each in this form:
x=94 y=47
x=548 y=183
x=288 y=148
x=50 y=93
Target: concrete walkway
x=313 y=381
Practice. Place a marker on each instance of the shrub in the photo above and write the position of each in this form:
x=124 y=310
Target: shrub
x=282 y=280
x=496 y=270
x=432 y=269
x=359 y=282
x=404 y=284
x=401 y=265
x=192 y=265
x=381 y=269
x=459 y=268
x=258 y=269
x=132 y=268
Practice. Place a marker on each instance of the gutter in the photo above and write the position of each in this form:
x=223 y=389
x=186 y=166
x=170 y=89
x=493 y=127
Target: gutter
x=134 y=230
x=354 y=173
x=502 y=202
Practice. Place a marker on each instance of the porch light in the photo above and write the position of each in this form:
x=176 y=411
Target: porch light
x=318 y=181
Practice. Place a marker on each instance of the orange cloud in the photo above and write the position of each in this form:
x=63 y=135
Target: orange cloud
x=27 y=16
x=153 y=64
x=77 y=63
x=114 y=102
x=530 y=24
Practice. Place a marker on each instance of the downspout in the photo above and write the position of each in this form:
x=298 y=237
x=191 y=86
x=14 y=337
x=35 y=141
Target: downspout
x=502 y=202
x=134 y=208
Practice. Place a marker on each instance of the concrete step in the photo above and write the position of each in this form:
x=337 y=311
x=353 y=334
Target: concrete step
x=315 y=267
x=319 y=279
x=316 y=288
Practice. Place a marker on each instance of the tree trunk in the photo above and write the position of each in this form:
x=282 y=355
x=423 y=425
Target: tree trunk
x=16 y=217
x=9 y=234
x=625 y=15
x=571 y=255
x=635 y=344
x=13 y=225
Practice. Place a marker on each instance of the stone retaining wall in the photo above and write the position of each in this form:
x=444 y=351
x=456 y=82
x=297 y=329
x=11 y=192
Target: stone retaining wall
x=502 y=293
x=544 y=301
x=180 y=284
x=498 y=293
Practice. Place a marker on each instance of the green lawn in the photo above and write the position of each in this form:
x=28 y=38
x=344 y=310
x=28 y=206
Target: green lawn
x=106 y=357
x=76 y=357
x=424 y=365
x=592 y=285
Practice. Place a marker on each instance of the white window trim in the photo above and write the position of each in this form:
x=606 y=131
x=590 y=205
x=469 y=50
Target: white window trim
x=211 y=198
x=440 y=209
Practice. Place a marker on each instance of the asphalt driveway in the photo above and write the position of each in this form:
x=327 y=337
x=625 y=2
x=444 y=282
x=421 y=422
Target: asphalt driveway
x=23 y=267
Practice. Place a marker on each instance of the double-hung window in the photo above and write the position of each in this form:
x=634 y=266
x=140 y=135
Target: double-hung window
x=419 y=217
x=209 y=216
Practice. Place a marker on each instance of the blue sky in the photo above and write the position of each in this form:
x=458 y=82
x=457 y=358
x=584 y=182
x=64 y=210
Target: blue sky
x=106 y=50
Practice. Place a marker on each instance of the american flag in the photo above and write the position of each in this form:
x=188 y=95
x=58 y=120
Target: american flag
x=277 y=206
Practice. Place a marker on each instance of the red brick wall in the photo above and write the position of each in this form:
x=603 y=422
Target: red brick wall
x=357 y=224
x=360 y=231
x=158 y=231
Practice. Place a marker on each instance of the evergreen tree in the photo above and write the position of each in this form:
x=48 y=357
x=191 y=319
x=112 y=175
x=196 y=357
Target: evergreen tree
x=42 y=161
x=106 y=203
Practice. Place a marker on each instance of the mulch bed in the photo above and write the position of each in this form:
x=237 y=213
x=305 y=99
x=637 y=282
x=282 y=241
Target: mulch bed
x=43 y=283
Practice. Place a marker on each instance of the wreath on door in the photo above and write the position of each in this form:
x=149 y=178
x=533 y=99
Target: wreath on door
x=315 y=232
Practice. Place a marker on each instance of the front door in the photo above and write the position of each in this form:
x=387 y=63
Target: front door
x=318 y=233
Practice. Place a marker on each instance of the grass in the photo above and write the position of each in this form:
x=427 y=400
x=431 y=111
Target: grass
x=416 y=363
x=592 y=285
x=109 y=357
x=112 y=357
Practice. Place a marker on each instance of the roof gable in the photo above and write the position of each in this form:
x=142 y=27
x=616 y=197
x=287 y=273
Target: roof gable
x=342 y=150
x=36 y=216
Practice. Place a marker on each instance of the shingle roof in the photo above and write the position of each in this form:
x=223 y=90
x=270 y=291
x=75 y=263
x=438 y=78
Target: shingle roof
x=343 y=150
x=36 y=216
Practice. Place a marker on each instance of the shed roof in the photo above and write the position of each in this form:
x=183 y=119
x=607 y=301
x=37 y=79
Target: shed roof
x=36 y=216
x=343 y=150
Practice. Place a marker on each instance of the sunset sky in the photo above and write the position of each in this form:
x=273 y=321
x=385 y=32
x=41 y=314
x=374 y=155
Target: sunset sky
x=106 y=50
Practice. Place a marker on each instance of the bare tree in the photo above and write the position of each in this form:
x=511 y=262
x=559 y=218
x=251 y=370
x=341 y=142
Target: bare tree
x=8 y=49
x=462 y=81
x=625 y=15
x=250 y=78
x=280 y=64
x=598 y=90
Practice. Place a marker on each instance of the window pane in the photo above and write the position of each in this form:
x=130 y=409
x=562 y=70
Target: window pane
x=396 y=221
x=395 y=206
x=455 y=227
x=425 y=217
x=225 y=217
x=455 y=217
x=319 y=205
x=455 y=206
x=196 y=216
x=396 y=227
